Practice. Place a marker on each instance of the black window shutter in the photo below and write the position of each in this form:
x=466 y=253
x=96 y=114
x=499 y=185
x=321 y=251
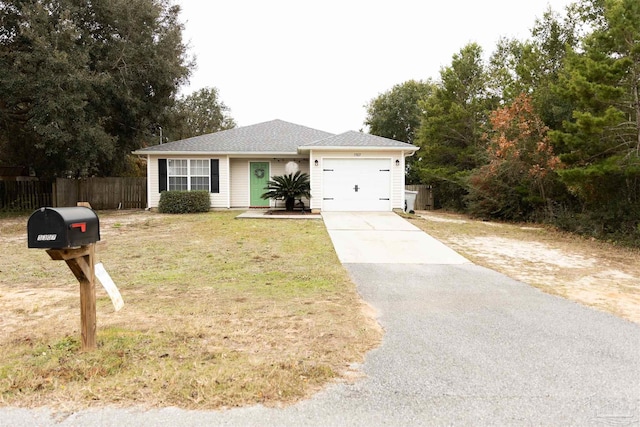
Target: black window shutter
x=215 y=175
x=162 y=175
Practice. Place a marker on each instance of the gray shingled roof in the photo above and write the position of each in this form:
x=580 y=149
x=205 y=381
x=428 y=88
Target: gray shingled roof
x=276 y=136
x=358 y=139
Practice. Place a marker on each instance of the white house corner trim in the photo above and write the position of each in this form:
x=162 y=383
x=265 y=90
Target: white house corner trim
x=228 y=189
x=148 y=182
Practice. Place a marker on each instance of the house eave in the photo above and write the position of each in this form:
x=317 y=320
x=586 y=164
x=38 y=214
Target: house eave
x=302 y=151
x=357 y=148
x=218 y=153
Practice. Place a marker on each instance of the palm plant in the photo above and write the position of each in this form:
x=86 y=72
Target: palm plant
x=288 y=188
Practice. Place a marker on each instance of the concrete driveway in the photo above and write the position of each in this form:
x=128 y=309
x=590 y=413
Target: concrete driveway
x=384 y=238
x=463 y=345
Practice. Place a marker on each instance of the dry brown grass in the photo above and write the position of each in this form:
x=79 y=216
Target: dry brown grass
x=588 y=271
x=218 y=313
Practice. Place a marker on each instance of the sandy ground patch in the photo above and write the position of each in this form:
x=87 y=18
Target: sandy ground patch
x=593 y=273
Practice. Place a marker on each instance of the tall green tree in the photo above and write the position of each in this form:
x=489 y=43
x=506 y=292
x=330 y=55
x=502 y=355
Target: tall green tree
x=82 y=84
x=397 y=113
x=450 y=135
x=196 y=114
x=533 y=66
x=523 y=74
x=601 y=142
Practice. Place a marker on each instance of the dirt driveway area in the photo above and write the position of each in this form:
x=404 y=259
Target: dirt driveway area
x=590 y=272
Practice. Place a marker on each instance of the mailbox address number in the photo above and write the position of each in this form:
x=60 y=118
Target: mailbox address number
x=46 y=237
x=51 y=237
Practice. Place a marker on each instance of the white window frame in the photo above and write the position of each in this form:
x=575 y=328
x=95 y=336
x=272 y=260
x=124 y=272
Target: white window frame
x=194 y=169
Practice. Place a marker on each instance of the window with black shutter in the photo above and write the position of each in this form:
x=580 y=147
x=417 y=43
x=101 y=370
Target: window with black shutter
x=162 y=175
x=185 y=174
x=215 y=175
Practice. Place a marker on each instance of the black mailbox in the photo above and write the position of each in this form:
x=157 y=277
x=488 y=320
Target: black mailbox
x=55 y=228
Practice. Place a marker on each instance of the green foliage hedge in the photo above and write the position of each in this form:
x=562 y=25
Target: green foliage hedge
x=184 y=202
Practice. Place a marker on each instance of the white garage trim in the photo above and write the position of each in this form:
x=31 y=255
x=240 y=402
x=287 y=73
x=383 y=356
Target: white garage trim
x=356 y=184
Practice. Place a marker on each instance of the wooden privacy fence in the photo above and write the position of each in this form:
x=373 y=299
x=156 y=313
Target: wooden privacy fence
x=25 y=195
x=424 y=198
x=102 y=193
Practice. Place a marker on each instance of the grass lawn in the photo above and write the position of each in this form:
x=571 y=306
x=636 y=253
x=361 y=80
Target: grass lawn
x=218 y=313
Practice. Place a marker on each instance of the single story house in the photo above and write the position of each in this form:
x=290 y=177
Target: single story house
x=351 y=171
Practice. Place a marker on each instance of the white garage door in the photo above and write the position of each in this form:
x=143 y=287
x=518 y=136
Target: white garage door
x=356 y=185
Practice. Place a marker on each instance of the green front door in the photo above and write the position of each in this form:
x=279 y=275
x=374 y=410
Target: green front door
x=258 y=178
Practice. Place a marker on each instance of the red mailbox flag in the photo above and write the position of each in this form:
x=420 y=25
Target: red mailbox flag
x=81 y=225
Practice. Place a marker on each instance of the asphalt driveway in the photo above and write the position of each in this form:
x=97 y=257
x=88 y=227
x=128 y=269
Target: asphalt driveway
x=463 y=345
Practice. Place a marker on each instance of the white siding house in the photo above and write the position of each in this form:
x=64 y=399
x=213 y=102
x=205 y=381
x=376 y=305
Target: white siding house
x=349 y=171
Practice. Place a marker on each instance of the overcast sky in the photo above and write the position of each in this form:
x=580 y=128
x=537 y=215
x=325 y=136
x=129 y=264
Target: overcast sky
x=317 y=63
